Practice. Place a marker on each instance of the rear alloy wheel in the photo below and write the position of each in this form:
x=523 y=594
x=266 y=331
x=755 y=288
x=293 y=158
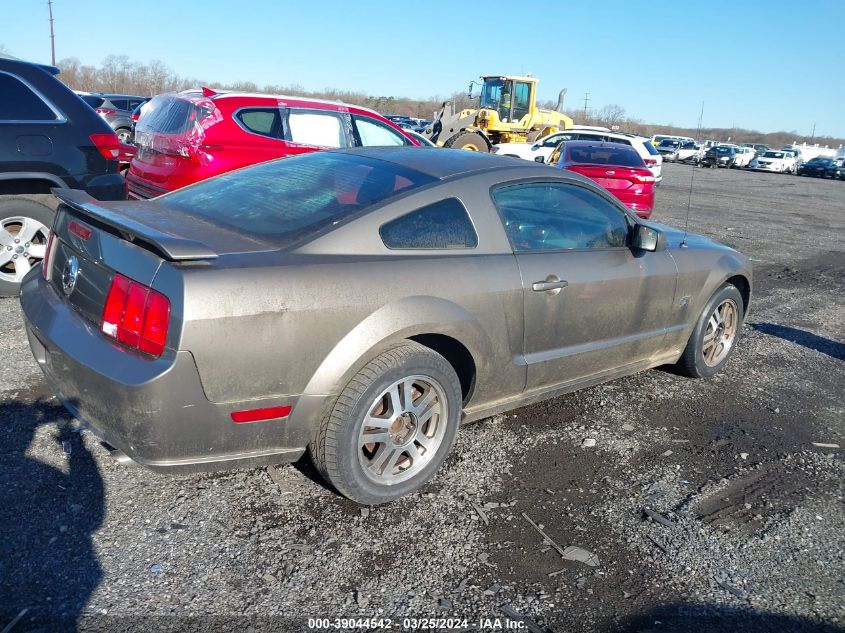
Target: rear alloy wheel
x=391 y=427
x=472 y=141
x=714 y=338
x=24 y=231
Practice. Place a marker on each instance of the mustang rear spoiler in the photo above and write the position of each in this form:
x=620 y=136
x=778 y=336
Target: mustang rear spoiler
x=174 y=247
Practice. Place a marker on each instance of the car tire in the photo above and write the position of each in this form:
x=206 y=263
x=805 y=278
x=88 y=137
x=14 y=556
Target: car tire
x=124 y=134
x=713 y=341
x=472 y=141
x=375 y=403
x=17 y=258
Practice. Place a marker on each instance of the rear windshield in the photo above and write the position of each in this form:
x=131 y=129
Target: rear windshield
x=651 y=149
x=603 y=155
x=168 y=115
x=91 y=100
x=293 y=198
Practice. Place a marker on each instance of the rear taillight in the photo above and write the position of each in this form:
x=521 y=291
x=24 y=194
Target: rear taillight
x=136 y=315
x=643 y=178
x=48 y=255
x=136 y=116
x=650 y=161
x=106 y=111
x=107 y=144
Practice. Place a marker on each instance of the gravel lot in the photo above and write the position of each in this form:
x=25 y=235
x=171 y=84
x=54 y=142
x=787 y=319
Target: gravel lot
x=747 y=517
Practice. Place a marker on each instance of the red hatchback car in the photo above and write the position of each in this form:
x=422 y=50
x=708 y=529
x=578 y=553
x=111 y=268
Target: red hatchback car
x=616 y=167
x=186 y=137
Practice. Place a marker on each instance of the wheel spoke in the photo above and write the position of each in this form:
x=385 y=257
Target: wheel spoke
x=422 y=418
x=376 y=422
x=37 y=250
x=373 y=437
x=28 y=230
x=22 y=267
x=414 y=453
x=424 y=439
x=5 y=257
x=6 y=238
x=714 y=322
x=386 y=455
x=421 y=404
x=395 y=400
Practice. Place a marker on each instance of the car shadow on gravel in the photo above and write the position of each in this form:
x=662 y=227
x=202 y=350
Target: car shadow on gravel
x=698 y=618
x=832 y=348
x=48 y=511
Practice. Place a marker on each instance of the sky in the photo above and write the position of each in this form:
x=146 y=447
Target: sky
x=768 y=65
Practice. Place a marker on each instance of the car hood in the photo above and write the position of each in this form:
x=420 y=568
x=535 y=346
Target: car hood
x=674 y=237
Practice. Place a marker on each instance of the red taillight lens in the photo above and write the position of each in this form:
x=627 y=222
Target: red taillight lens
x=136 y=315
x=107 y=111
x=45 y=263
x=136 y=116
x=650 y=161
x=107 y=144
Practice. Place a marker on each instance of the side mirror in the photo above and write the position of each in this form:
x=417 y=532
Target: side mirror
x=648 y=239
x=539 y=159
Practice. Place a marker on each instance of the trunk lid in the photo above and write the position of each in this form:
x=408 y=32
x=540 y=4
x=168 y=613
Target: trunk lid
x=610 y=177
x=94 y=240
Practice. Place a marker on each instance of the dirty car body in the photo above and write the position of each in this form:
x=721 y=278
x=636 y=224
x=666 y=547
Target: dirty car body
x=471 y=256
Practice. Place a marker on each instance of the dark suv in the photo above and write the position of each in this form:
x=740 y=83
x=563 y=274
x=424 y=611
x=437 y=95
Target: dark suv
x=48 y=138
x=117 y=110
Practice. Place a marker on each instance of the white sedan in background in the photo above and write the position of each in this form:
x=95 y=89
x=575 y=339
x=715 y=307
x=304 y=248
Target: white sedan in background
x=775 y=160
x=744 y=156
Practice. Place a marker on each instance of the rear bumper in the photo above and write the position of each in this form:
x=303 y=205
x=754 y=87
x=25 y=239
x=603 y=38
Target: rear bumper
x=140 y=189
x=153 y=411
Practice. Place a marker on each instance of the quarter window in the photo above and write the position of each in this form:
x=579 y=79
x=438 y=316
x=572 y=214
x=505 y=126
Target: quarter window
x=19 y=103
x=441 y=225
x=376 y=134
x=263 y=121
x=552 y=216
x=323 y=129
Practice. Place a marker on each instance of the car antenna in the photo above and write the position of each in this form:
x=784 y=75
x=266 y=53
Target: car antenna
x=691 y=177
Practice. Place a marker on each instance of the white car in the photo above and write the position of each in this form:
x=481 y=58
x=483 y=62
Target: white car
x=744 y=156
x=775 y=160
x=543 y=147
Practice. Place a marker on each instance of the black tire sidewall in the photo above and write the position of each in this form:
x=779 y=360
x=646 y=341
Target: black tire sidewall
x=358 y=486
x=727 y=291
x=25 y=208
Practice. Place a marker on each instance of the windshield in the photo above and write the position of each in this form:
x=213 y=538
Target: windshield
x=292 y=198
x=724 y=150
x=773 y=155
x=669 y=143
x=604 y=155
x=491 y=93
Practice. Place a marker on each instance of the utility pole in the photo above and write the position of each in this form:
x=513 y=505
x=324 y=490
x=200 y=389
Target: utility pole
x=813 y=135
x=52 y=34
x=586 y=101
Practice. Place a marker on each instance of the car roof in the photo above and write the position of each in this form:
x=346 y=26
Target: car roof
x=441 y=163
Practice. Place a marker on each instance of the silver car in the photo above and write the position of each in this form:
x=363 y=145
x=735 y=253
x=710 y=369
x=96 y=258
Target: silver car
x=359 y=305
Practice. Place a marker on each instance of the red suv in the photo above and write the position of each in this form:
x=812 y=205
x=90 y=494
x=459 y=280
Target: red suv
x=186 y=137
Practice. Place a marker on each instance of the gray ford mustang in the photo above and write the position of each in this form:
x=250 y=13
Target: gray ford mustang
x=359 y=305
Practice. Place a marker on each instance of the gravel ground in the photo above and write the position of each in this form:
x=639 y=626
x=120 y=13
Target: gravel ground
x=706 y=503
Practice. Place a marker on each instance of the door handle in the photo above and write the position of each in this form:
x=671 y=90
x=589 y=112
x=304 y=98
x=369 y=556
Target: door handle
x=552 y=283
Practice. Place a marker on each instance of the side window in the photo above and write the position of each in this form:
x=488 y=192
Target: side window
x=374 y=133
x=621 y=141
x=324 y=129
x=554 y=139
x=522 y=102
x=263 y=121
x=552 y=216
x=19 y=103
x=441 y=225
x=120 y=104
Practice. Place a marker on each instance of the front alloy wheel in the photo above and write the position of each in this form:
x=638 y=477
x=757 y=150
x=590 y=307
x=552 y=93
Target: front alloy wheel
x=714 y=337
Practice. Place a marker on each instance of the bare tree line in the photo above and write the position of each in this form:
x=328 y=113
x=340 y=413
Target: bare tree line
x=118 y=73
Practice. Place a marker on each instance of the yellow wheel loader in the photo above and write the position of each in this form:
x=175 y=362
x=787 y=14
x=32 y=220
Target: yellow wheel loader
x=507 y=113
